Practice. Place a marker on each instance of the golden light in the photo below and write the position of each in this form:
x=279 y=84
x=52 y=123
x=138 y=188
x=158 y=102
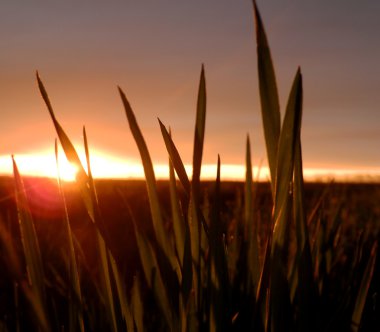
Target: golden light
x=105 y=166
x=39 y=165
x=43 y=164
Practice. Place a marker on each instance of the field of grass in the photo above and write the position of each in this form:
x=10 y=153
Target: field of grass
x=185 y=255
x=354 y=206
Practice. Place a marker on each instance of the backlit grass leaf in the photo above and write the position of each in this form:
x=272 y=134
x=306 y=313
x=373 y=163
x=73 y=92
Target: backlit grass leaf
x=261 y=314
x=177 y=215
x=76 y=309
x=281 y=318
x=306 y=287
x=199 y=133
x=307 y=296
x=93 y=195
x=106 y=281
x=302 y=234
x=91 y=184
x=175 y=159
x=195 y=237
x=248 y=199
x=196 y=216
x=70 y=152
x=253 y=264
x=137 y=306
x=153 y=277
x=124 y=304
x=319 y=250
x=187 y=268
x=180 y=224
x=87 y=152
x=13 y=261
x=158 y=223
x=89 y=199
x=280 y=309
x=33 y=259
x=38 y=309
x=290 y=135
x=193 y=234
x=182 y=315
x=104 y=253
x=363 y=290
x=270 y=108
x=219 y=319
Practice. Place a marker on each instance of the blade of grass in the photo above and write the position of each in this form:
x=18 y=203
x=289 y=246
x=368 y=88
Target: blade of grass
x=165 y=248
x=302 y=233
x=158 y=223
x=363 y=290
x=106 y=281
x=124 y=304
x=280 y=309
x=175 y=159
x=177 y=215
x=105 y=255
x=187 y=269
x=270 y=109
x=76 y=310
x=37 y=295
x=189 y=241
x=71 y=154
x=253 y=263
x=199 y=134
x=89 y=198
x=248 y=208
x=153 y=277
x=137 y=306
x=290 y=134
x=219 y=319
x=307 y=289
x=196 y=219
x=93 y=195
x=261 y=315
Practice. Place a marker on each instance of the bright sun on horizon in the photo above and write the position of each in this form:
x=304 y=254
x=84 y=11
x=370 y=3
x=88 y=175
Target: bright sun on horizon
x=105 y=166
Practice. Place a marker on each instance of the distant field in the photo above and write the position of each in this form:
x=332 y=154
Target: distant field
x=357 y=203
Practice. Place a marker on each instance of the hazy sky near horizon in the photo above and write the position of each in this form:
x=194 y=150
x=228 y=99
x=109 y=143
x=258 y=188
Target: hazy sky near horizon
x=154 y=51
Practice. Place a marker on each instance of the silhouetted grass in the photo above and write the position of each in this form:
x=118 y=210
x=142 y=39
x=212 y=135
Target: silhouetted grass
x=246 y=257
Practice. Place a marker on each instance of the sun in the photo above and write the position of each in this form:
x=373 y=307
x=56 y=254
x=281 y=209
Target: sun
x=43 y=163
x=39 y=165
x=66 y=171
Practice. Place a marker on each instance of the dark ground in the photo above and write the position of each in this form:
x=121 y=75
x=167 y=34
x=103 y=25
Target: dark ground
x=357 y=205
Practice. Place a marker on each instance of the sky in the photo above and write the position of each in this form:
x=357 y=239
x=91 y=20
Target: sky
x=154 y=51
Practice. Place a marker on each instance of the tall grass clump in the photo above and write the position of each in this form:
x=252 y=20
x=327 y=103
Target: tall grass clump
x=198 y=268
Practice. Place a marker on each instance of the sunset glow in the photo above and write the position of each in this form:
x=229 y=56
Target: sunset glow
x=82 y=56
x=110 y=167
x=39 y=165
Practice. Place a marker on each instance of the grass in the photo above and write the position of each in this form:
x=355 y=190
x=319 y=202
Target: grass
x=199 y=268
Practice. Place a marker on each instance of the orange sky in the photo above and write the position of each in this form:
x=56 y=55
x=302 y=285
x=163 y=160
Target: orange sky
x=154 y=51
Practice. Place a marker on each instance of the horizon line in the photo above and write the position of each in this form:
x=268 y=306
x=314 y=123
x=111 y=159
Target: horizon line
x=113 y=168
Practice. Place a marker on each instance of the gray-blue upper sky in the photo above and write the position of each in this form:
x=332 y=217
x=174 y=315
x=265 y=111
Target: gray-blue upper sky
x=154 y=51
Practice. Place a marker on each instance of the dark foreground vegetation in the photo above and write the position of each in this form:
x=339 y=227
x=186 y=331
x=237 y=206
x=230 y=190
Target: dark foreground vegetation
x=343 y=219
